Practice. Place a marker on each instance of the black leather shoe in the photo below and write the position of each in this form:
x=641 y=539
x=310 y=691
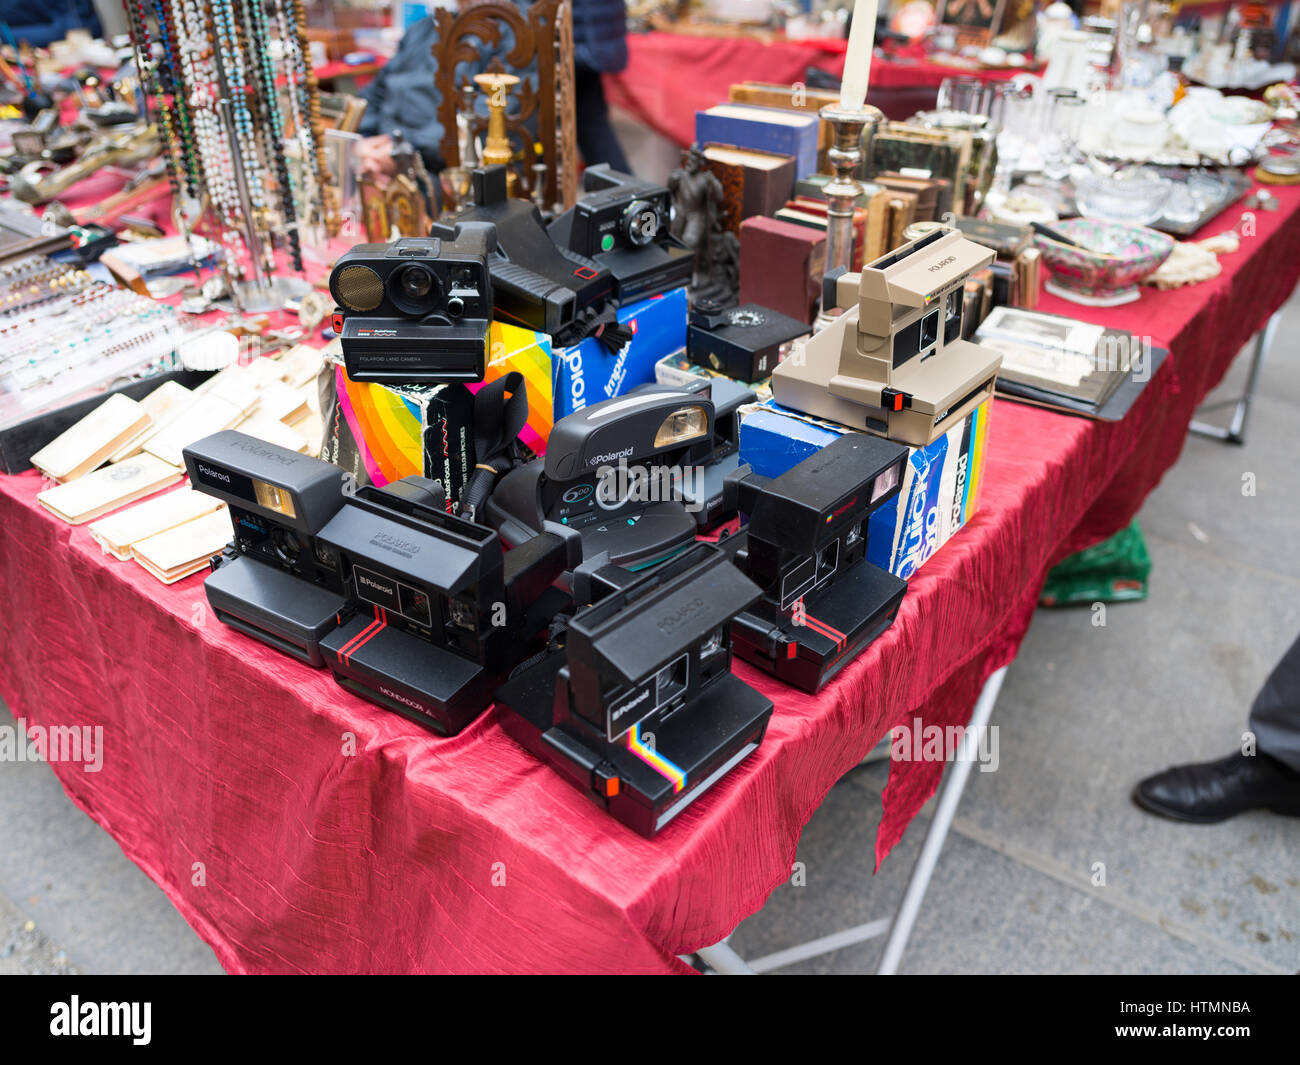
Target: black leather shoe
x=1206 y=792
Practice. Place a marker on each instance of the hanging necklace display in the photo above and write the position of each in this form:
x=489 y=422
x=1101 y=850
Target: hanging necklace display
x=228 y=137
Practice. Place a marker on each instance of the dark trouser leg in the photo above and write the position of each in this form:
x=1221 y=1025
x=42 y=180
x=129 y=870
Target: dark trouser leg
x=1275 y=714
x=596 y=138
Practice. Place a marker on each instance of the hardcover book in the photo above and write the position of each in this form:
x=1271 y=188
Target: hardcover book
x=767 y=129
x=753 y=182
x=781 y=266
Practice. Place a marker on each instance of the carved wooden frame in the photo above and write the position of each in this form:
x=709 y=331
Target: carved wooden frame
x=543 y=31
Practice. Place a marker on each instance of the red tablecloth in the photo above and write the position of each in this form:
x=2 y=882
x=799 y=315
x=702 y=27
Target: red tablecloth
x=299 y=828
x=670 y=76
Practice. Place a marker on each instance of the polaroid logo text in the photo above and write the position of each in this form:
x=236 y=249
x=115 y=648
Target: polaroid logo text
x=942 y=263
x=959 y=496
x=263 y=452
x=216 y=475
x=102 y=1018
x=631 y=704
x=668 y=622
x=612 y=456
x=577 y=386
x=393 y=543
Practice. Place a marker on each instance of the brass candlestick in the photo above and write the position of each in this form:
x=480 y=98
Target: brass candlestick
x=496 y=146
x=843 y=190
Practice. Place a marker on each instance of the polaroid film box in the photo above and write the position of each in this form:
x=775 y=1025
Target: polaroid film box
x=940 y=486
x=589 y=372
x=382 y=433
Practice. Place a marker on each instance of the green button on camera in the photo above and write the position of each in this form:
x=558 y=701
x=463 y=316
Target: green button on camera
x=606 y=242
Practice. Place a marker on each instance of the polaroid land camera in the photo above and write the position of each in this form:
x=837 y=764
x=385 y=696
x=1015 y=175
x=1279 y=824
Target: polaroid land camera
x=894 y=362
x=442 y=613
x=622 y=223
x=276 y=582
x=640 y=709
x=805 y=547
x=535 y=283
x=416 y=311
x=634 y=512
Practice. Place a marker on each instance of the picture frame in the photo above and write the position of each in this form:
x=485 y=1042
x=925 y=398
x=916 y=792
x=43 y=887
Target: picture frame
x=975 y=21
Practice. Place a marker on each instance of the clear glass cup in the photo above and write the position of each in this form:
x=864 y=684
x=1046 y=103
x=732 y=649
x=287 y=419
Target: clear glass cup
x=1061 y=135
x=962 y=94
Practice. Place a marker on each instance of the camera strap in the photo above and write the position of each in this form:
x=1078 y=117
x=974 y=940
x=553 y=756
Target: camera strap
x=605 y=327
x=500 y=414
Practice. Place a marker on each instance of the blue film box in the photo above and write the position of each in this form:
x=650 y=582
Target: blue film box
x=589 y=372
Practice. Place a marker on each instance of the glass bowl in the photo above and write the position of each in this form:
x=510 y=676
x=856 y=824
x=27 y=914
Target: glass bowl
x=1133 y=197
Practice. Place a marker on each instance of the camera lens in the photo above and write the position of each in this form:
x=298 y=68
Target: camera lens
x=415 y=283
x=414 y=289
x=286 y=544
x=640 y=223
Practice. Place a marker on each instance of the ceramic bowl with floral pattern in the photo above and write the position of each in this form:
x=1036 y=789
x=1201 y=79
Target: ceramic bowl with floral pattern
x=1107 y=269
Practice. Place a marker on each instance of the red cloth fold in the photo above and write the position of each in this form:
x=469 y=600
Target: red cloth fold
x=298 y=828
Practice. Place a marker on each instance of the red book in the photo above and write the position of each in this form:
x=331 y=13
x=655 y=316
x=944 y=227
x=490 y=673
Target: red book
x=781 y=266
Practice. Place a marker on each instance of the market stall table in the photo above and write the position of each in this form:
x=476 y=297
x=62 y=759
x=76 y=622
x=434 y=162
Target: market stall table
x=670 y=76
x=298 y=828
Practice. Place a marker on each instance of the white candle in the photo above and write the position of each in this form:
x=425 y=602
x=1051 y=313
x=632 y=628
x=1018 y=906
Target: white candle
x=857 y=60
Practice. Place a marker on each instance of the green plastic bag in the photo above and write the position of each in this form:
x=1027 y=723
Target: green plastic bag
x=1113 y=571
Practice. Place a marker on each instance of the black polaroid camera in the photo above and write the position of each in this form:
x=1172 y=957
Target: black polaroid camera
x=442 y=612
x=537 y=284
x=805 y=546
x=614 y=472
x=640 y=710
x=276 y=582
x=416 y=311
x=623 y=224
x=742 y=342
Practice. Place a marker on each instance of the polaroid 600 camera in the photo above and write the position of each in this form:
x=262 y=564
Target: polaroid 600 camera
x=894 y=363
x=640 y=709
x=805 y=546
x=416 y=311
x=443 y=613
x=536 y=283
x=622 y=223
x=613 y=471
x=275 y=582
x=703 y=495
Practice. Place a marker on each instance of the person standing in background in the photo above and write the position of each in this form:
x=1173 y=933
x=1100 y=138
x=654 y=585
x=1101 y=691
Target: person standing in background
x=599 y=47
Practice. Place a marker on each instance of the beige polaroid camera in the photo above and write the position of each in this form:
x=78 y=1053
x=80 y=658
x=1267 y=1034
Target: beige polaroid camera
x=894 y=362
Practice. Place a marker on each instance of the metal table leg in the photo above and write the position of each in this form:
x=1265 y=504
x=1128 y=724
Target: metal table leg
x=722 y=957
x=949 y=797
x=1235 y=431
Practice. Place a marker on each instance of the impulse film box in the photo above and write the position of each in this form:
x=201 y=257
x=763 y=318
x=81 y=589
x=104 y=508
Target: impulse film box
x=940 y=486
x=589 y=372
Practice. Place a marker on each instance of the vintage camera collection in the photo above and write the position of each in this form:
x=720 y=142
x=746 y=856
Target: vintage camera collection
x=580 y=601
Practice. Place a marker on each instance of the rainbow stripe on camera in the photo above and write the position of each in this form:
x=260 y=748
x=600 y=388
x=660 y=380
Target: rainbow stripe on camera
x=656 y=761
